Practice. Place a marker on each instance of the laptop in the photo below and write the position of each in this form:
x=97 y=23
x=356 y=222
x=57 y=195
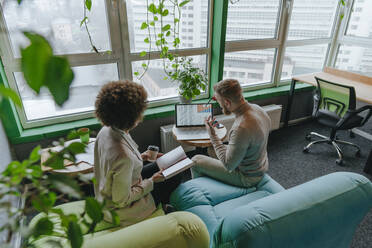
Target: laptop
x=190 y=119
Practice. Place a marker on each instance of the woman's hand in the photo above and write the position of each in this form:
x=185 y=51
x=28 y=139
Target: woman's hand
x=210 y=123
x=158 y=177
x=145 y=156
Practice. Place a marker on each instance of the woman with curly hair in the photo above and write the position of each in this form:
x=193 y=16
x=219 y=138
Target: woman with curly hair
x=117 y=162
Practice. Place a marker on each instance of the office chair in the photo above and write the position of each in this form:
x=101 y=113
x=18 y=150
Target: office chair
x=334 y=107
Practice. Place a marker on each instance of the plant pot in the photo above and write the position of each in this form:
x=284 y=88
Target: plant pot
x=183 y=100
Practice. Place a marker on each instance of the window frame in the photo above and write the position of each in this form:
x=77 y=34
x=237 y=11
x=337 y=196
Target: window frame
x=116 y=14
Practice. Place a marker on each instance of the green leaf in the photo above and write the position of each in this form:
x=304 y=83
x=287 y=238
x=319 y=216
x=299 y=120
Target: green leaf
x=144 y=65
x=156 y=18
x=94 y=209
x=74 y=235
x=88 y=4
x=184 y=3
x=146 y=40
x=158 y=42
x=76 y=147
x=44 y=202
x=343 y=2
x=166 y=28
x=35 y=59
x=168 y=33
x=35 y=155
x=58 y=78
x=165 y=78
x=84 y=20
x=144 y=25
x=176 y=20
x=152 y=23
x=115 y=218
x=66 y=185
x=43 y=227
x=19 y=1
x=136 y=73
x=11 y=94
x=165 y=12
x=55 y=161
x=143 y=54
x=176 y=41
x=152 y=8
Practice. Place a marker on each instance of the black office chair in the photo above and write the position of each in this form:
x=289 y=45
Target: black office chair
x=334 y=107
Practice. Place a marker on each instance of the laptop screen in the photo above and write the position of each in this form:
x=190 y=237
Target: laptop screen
x=192 y=115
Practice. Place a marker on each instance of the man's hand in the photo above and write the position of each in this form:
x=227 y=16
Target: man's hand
x=158 y=177
x=210 y=123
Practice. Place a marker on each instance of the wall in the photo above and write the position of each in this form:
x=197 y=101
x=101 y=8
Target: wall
x=148 y=132
x=5 y=153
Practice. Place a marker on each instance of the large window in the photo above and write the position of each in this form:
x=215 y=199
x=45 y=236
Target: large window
x=310 y=31
x=354 y=46
x=59 y=22
x=193 y=33
x=251 y=41
x=267 y=42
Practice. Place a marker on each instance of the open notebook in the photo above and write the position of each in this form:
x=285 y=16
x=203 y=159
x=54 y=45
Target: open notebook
x=174 y=162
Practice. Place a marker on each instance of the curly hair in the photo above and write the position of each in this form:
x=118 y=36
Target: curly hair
x=230 y=89
x=121 y=104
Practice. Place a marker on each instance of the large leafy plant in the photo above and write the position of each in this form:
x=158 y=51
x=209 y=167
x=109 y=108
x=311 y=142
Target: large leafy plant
x=39 y=192
x=192 y=79
x=25 y=180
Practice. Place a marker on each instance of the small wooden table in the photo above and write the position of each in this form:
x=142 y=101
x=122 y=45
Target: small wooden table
x=201 y=143
x=84 y=162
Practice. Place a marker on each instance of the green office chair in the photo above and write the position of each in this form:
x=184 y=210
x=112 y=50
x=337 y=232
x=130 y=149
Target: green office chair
x=334 y=107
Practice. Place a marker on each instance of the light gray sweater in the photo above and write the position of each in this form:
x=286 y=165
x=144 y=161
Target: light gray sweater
x=247 y=148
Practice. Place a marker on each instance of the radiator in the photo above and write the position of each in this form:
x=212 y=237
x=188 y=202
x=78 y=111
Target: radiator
x=168 y=142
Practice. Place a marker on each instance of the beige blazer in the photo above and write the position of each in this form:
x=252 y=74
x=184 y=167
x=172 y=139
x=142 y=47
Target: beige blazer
x=117 y=169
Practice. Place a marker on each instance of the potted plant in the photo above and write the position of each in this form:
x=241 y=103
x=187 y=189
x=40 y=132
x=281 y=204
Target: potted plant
x=162 y=24
x=191 y=79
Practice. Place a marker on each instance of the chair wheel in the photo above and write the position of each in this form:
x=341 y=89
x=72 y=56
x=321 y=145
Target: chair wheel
x=308 y=137
x=305 y=150
x=339 y=162
x=358 y=154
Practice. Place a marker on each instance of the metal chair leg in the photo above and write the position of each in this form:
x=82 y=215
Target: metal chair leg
x=316 y=142
x=339 y=161
x=348 y=143
x=319 y=135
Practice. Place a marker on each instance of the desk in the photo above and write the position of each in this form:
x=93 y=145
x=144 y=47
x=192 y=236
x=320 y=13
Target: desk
x=362 y=85
x=202 y=143
x=363 y=91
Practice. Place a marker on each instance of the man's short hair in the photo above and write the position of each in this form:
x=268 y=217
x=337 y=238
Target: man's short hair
x=120 y=104
x=230 y=89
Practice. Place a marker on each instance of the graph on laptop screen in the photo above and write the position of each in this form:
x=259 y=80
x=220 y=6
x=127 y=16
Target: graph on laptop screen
x=192 y=115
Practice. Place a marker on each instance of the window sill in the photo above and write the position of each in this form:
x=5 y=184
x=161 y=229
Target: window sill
x=59 y=130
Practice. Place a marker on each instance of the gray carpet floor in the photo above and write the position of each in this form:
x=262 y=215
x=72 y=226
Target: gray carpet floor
x=290 y=166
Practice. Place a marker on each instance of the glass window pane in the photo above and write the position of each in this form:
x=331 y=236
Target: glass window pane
x=83 y=91
x=155 y=80
x=356 y=59
x=312 y=19
x=249 y=67
x=252 y=19
x=193 y=25
x=303 y=59
x=360 y=23
x=59 y=22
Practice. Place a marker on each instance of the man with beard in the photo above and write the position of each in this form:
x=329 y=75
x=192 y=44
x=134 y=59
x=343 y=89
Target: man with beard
x=243 y=161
